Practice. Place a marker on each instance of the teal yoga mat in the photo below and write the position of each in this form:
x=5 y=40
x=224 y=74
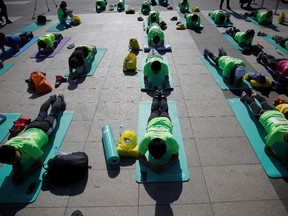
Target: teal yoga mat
x=112 y=156
x=147 y=48
x=256 y=133
x=217 y=75
x=183 y=20
x=7 y=66
x=29 y=189
x=144 y=87
x=178 y=172
x=7 y=124
x=33 y=27
x=26 y=46
x=227 y=24
x=178 y=10
x=58 y=27
x=270 y=40
x=95 y=62
x=256 y=23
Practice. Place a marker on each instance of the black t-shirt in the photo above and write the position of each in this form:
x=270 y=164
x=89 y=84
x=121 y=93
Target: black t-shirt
x=80 y=53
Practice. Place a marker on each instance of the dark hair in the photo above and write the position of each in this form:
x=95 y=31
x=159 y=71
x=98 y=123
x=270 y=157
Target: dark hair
x=250 y=33
x=6 y=153
x=156 y=66
x=42 y=44
x=2 y=36
x=153 y=17
x=269 y=14
x=221 y=18
x=156 y=39
x=73 y=63
x=63 y=4
x=194 y=17
x=157 y=148
x=98 y=3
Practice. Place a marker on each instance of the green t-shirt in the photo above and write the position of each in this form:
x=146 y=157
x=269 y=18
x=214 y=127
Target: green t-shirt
x=286 y=45
x=154 y=29
x=276 y=126
x=261 y=18
x=240 y=38
x=101 y=4
x=152 y=14
x=145 y=7
x=160 y=127
x=30 y=143
x=183 y=7
x=48 y=39
x=190 y=23
x=227 y=63
x=61 y=15
x=216 y=15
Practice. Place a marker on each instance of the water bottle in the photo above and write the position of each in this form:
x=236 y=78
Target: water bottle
x=121 y=129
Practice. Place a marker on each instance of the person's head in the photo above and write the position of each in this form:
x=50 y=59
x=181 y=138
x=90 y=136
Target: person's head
x=221 y=18
x=184 y=2
x=153 y=17
x=250 y=33
x=157 y=148
x=156 y=39
x=2 y=37
x=156 y=67
x=74 y=63
x=194 y=18
x=145 y=5
x=41 y=44
x=269 y=14
x=9 y=155
x=239 y=73
x=98 y=4
x=63 y=4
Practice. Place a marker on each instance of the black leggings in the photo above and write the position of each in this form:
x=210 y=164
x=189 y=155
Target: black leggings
x=280 y=40
x=270 y=60
x=214 y=58
x=159 y=108
x=257 y=110
x=46 y=122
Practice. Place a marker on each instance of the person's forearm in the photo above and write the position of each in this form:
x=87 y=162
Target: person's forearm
x=85 y=67
x=172 y=160
x=35 y=166
x=144 y=160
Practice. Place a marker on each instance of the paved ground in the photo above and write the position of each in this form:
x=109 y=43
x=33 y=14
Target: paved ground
x=226 y=177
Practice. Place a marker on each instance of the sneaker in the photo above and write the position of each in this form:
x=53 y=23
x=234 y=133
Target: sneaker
x=242 y=97
x=63 y=104
x=139 y=18
x=220 y=50
x=59 y=80
x=170 y=8
x=261 y=33
x=206 y=52
x=158 y=94
x=174 y=18
x=71 y=46
x=22 y=120
x=53 y=98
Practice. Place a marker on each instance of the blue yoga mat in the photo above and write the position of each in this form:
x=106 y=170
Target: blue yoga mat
x=178 y=172
x=256 y=23
x=256 y=133
x=95 y=62
x=217 y=75
x=29 y=189
x=26 y=46
x=144 y=87
x=227 y=24
x=147 y=48
x=33 y=27
x=183 y=20
x=7 y=124
x=270 y=40
x=7 y=66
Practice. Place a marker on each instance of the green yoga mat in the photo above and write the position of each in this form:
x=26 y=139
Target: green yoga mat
x=217 y=75
x=183 y=20
x=93 y=63
x=145 y=88
x=126 y=6
x=262 y=26
x=178 y=172
x=33 y=27
x=29 y=189
x=227 y=24
x=178 y=10
x=270 y=40
x=165 y=48
x=256 y=133
x=7 y=66
x=7 y=124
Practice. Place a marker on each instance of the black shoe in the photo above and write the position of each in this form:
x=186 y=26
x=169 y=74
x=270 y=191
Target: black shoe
x=63 y=103
x=242 y=97
x=206 y=52
x=174 y=18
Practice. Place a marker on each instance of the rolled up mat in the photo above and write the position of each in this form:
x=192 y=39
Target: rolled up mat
x=111 y=153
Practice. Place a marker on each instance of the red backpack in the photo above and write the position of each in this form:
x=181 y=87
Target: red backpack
x=38 y=82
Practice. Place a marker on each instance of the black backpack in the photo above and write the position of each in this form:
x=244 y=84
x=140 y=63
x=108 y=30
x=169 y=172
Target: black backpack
x=66 y=168
x=41 y=19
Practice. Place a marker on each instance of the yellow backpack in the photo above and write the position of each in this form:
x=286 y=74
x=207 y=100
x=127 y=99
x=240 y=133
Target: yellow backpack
x=127 y=146
x=281 y=18
x=76 y=21
x=130 y=62
x=133 y=44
